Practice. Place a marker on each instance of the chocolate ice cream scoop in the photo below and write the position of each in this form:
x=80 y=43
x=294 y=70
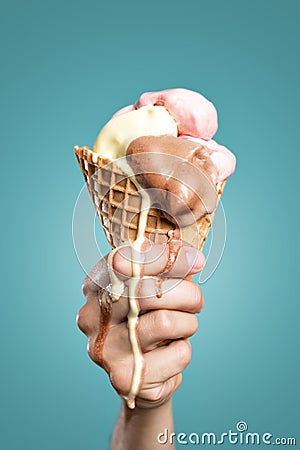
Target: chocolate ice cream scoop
x=178 y=174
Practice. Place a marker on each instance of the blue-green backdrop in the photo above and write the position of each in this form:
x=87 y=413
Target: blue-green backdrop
x=66 y=66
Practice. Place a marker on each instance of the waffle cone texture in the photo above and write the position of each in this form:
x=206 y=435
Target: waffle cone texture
x=118 y=205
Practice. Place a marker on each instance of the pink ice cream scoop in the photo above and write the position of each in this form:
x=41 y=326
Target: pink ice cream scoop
x=222 y=158
x=194 y=114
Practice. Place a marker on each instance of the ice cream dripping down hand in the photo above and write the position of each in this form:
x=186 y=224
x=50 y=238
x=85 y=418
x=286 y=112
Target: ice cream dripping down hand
x=155 y=162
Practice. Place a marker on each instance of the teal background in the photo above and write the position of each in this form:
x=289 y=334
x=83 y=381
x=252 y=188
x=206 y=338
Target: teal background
x=65 y=68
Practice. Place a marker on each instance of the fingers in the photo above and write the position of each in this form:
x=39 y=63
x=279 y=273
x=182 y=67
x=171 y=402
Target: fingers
x=175 y=294
x=159 y=326
x=161 y=364
x=88 y=317
x=157 y=259
x=160 y=259
x=157 y=393
x=97 y=278
x=167 y=312
x=154 y=329
x=166 y=362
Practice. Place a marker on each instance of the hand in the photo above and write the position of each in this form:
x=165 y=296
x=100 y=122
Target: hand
x=165 y=323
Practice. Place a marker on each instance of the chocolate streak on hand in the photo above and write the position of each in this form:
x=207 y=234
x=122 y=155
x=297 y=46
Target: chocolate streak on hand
x=105 y=304
x=158 y=287
x=173 y=247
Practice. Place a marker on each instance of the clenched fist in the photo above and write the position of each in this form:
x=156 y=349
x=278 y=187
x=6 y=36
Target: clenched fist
x=168 y=305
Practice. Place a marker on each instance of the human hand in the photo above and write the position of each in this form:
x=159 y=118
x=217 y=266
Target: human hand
x=165 y=323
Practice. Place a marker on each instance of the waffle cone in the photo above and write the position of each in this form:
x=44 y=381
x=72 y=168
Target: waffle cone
x=118 y=203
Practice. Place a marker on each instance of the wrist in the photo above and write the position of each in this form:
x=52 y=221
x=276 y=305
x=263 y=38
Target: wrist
x=140 y=427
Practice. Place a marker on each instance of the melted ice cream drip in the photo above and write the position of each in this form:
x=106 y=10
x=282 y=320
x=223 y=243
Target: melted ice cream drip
x=133 y=284
x=117 y=286
x=158 y=287
x=104 y=298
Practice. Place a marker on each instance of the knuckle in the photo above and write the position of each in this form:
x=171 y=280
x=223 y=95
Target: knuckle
x=91 y=351
x=90 y=284
x=81 y=320
x=194 y=324
x=169 y=387
x=162 y=321
x=197 y=298
x=184 y=352
x=159 y=394
x=145 y=290
x=156 y=395
x=95 y=353
x=87 y=286
x=121 y=262
x=177 y=382
x=119 y=378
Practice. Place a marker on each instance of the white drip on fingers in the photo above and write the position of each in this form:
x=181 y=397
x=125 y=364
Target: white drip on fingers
x=134 y=309
x=117 y=286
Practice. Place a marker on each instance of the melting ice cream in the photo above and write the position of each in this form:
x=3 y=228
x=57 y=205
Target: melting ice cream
x=163 y=142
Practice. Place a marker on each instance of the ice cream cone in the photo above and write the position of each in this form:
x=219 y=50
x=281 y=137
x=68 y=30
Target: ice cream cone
x=117 y=202
x=176 y=126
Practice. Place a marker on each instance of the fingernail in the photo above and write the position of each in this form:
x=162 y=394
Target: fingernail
x=195 y=259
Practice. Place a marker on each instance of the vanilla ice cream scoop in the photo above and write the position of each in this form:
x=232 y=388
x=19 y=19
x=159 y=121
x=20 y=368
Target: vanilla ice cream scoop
x=117 y=134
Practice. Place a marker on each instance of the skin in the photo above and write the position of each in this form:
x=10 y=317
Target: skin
x=165 y=324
